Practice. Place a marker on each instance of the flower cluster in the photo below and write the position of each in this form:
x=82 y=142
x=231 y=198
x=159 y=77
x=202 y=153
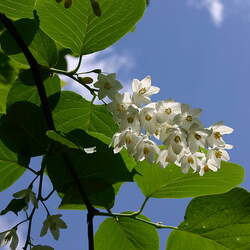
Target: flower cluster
x=186 y=142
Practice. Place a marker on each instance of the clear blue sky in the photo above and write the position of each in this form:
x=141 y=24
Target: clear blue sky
x=199 y=56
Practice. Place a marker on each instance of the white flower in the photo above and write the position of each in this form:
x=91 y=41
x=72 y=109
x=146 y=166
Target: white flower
x=119 y=105
x=167 y=110
x=108 y=86
x=148 y=118
x=7 y=236
x=130 y=119
x=191 y=160
x=174 y=137
x=28 y=195
x=166 y=156
x=54 y=223
x=218 y=155
x=142 y=90
x=187 y=117
x=217 y=130
x=127 y=139
x=146 y=149
x=197 y=138
x=208 y=164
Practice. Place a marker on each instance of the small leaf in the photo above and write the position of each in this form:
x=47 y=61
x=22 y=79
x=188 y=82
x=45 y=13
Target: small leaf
x=215 y=222
x=15 y=206
x=126 y=233
x=170 y=182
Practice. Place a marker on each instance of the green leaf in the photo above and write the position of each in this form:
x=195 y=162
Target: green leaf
x=41 y=46
x=73 y=112
x=15 y=206
x=23 y=129
x=126 y=233
x=24 y=88
x=216 y=222
x=12 y=165
x=17 y=9
x=100 y=194
x=170 y=182
x=112 y=170
x=80 y=30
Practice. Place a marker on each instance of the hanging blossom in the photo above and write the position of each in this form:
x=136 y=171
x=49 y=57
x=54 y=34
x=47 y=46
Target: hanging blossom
x=187 y=143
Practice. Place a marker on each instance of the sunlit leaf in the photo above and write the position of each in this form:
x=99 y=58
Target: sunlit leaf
x=215 y=222
x=170 y=182
x=126 y=233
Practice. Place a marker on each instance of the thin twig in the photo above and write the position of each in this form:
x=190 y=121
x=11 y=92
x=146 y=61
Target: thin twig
x=48 y=196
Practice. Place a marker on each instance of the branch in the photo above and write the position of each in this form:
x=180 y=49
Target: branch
x=134 y=216
x=35 y=68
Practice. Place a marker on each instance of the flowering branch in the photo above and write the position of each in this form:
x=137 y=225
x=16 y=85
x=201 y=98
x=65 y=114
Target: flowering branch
x=35 y=68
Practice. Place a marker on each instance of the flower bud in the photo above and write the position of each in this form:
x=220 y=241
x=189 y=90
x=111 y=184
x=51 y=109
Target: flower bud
x=96 y=8
x=85 y=80
x=67 y=3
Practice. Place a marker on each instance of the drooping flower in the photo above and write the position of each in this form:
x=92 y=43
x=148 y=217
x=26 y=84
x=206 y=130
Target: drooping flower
x=11 y=237
x=148 y=118
x=167 y=156
x=197 y=138
x=167 y=110
x=119 y=105
x=217 y=131
x=130 y=119
x=175 y=137
x=108 y=86
x=146 y=149
x=28 y=195
x=126 y=139
x=142 y=90
x=187 y=117
x=54 y=223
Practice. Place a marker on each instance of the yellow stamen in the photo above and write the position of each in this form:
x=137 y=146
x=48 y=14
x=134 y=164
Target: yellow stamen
x=218 y=154
x=130 y=119
x=177 y=139
x=189 y=118
x=168 y=111
x=148 y=117
x=146 y=151
x=190 y=160
x=206 y=168
x=142 y=91
x=197 y=137
x=217 y=135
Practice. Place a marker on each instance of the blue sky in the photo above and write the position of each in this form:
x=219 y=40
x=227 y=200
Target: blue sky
x=197 y=52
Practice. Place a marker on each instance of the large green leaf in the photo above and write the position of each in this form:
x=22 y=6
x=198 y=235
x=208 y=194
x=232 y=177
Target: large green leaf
x=24 y=88
x=80 y=30
x=41 y=46
x=74 y=112
x=88 y=166
x=170 y=182
x=23 y=129
x=216 y=222
x=12 y=165
x=126 y=233
x=100 y=194
x=17 y=9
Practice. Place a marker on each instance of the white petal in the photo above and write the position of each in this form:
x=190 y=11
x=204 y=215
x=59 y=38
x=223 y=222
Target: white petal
x=146 y=82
